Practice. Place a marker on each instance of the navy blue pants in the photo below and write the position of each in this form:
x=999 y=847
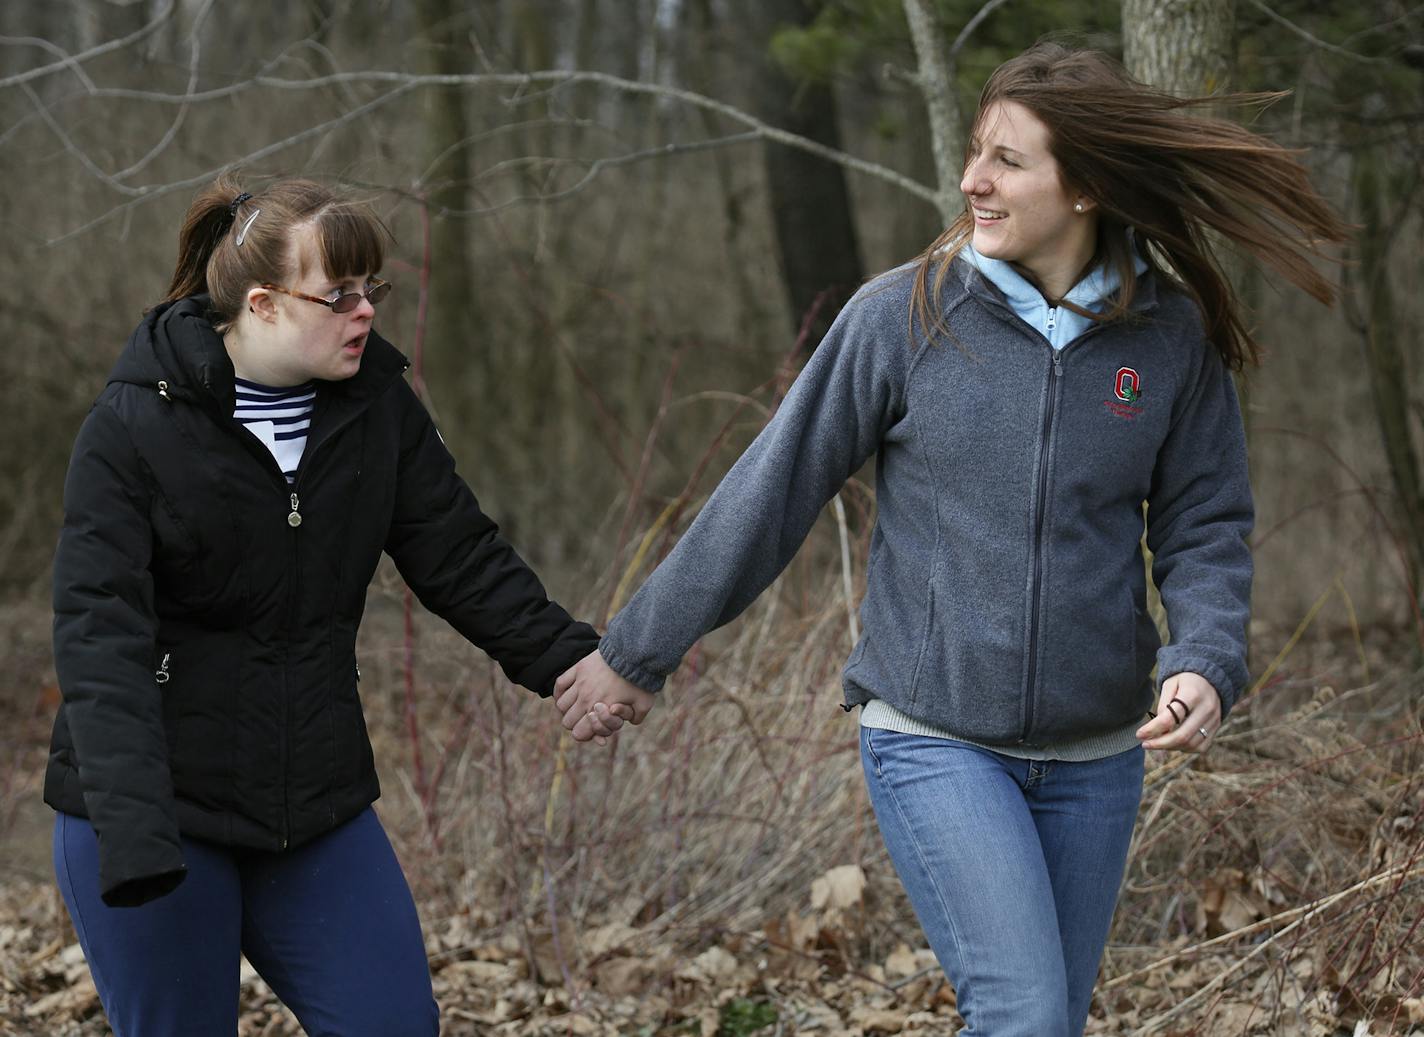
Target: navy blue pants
x=331 y=926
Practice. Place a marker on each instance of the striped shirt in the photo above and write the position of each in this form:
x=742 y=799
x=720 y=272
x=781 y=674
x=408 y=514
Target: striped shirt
x=279 y=418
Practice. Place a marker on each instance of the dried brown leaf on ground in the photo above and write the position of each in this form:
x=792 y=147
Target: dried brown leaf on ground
x=725 y=854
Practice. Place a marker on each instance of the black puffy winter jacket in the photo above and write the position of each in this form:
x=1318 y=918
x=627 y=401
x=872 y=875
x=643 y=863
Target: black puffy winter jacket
x=206 y=612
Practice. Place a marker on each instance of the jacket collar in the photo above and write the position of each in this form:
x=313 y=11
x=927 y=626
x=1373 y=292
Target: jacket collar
x=176 y=344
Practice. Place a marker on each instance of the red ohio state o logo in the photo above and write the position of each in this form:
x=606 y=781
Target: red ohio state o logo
x=1127 y=387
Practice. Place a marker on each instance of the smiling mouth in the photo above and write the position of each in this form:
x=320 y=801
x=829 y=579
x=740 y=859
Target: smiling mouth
x=988 y=214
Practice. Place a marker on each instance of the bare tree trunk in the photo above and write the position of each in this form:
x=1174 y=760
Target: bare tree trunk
x=1187 y=47
x=452 y=359
x=1384 y=356
x=936 y=78
x=703 y=63
x=810 y=205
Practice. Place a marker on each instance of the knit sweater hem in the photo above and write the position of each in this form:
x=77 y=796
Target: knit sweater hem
x=883 y=716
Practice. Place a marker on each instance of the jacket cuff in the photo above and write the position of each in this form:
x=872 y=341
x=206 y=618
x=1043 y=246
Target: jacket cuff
x=620 y=664
x=1172 y=661
x=136 y=892
x=577 y=641
x=139 y=869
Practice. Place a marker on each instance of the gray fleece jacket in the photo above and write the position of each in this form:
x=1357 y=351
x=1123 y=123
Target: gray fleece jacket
x=1005 y=599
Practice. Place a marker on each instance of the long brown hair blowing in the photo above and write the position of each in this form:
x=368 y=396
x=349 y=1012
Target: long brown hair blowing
x=1166 y=174
x=351 y=240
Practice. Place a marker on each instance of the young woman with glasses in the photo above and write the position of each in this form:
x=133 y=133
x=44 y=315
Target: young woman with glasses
x=255 y=451
x=1056 y=359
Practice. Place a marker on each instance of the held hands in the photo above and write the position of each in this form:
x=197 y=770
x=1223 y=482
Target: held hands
x=595 y=701
x=1188 y=714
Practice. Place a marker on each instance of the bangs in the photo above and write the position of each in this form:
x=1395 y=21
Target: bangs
x=351 y=242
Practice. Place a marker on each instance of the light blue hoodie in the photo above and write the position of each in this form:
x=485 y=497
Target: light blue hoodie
x=1058 y=324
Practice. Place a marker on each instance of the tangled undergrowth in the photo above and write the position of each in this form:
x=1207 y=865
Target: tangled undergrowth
x=717 y=872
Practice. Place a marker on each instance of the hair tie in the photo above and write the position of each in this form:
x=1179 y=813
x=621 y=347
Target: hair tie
x=232 y=208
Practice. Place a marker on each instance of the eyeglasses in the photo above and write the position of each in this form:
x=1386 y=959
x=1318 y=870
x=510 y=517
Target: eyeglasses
x=376 y=290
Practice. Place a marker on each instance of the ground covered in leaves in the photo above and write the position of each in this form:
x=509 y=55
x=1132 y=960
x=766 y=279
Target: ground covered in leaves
x=717 y=873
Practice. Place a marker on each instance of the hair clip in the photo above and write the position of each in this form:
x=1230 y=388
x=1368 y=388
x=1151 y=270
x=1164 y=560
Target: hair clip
x=241 y=234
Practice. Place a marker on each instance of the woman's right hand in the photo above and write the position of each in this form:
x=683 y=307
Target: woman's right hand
x=595 y=701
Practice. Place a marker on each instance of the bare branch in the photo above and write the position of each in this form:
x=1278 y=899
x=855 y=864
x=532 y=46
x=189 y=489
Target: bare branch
x=92 y=52
x=973 y=23
x=936 y=81
x=194 y=52
x=559 y=80
x=157 y=191
x=551 y=81
x=595 y=167
x=73 y=148
x=1312 y=40
x=64 y=56
x=498 y=131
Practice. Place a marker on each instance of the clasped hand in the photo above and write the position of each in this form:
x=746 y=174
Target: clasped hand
x=595 y=701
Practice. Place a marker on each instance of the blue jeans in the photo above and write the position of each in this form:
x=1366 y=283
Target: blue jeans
x=1013 y=868
x=330 y=926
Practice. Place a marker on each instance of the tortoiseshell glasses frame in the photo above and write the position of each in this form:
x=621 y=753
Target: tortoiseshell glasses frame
x=376 y=290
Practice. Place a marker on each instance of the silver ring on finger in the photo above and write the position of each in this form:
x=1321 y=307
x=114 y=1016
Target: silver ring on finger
x=1204 y=733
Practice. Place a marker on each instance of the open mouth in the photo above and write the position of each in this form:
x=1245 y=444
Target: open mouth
x=988 y=215
x=355 y=345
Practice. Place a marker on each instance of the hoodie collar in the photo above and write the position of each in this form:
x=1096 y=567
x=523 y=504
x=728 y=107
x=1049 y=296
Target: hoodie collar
x=1057 y=324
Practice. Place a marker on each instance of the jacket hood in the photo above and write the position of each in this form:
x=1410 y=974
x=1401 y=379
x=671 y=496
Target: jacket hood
x=175 y=343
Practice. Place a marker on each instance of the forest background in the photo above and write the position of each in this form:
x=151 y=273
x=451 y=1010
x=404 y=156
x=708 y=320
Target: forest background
x=620 y=229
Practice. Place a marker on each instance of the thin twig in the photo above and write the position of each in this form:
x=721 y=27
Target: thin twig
x=1304 y=914
x=1314 y=41
x=157 y=191
x=554 y=80
x=194 y=52
x=92 y=52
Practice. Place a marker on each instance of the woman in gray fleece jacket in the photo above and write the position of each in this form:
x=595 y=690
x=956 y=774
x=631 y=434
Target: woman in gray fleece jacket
x=1057 y=359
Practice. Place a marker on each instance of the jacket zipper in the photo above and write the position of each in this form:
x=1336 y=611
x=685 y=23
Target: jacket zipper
x=1055 y=372
x=1040 y=511
x=161 y=675
x=294 y=521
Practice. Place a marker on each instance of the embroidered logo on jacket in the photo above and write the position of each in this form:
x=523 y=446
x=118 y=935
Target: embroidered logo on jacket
x=1127 y=390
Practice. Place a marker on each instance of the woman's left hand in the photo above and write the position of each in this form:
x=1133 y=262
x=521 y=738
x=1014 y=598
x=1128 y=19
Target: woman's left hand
x=1188 y=714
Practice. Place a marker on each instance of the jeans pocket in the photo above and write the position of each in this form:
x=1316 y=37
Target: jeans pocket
x=865 y=735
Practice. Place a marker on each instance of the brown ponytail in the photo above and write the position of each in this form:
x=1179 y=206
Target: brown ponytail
x=1166 y=178
x=351 y=240
x=208 y=218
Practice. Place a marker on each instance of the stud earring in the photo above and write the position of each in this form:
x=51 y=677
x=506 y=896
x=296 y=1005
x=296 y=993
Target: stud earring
x=1077 y=206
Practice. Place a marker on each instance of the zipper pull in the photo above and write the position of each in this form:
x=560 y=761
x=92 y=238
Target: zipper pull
x=295 y=518
x=1052 y=317
x=160 y=676
x=163 y=391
